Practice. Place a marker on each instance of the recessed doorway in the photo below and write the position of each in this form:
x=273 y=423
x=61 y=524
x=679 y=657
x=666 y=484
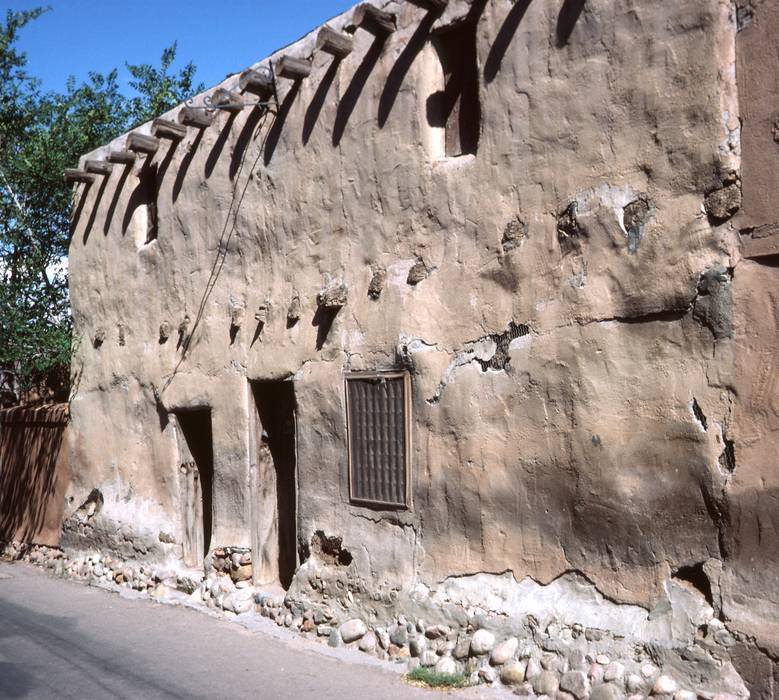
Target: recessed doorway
x=273 y=484
x=196 y=481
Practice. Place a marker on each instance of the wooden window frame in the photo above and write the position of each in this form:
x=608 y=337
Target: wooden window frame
x=388 y=374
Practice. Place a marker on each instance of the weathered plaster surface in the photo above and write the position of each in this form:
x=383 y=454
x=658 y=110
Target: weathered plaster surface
x=581 y=451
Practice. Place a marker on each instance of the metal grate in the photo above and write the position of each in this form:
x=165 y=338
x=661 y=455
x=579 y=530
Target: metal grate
x=378 y=438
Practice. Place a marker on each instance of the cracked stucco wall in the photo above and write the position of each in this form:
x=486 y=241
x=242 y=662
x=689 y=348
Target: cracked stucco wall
x=580 y=221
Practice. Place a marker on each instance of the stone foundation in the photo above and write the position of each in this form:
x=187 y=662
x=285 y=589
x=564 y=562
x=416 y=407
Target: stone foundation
x=526 y=636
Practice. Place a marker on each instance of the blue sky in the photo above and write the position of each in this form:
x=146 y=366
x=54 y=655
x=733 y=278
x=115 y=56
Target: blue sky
x=220 y=36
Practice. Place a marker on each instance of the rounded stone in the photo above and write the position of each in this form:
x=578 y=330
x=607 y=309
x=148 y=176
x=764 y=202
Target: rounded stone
x=602 y=659
x=399 y=636
x=487 y=674
x=352 y=630
x=462 y=649
x=429 y=658
x=368 y=643
x=383 y=636
x=685 y=695
x=513 y=672
x=446 y=664
x=545 y=683
x=334 y=639
x=664 y=685
x=504 y=651
x=576 y=683
x=607 y=691
x=648 y=670
x=417 y=645
x=533 y=669
x=576 y=660
x=634 y=683
x=596 y=673
x=615 y=671
x=482 y=642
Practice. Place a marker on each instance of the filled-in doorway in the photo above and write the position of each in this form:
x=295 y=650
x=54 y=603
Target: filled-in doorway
x=273 y=484
x=196 y=479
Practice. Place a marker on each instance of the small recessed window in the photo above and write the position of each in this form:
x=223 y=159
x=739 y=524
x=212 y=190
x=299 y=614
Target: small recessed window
x=378 y=415
x=148 y=194
x=455 y=107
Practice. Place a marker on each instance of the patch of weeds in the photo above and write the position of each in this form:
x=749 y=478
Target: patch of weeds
x=431 y=679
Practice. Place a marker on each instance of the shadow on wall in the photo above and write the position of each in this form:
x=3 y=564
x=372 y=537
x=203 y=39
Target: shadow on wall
x=33 y=473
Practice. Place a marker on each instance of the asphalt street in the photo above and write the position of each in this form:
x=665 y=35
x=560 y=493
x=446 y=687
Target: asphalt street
x=62 y=639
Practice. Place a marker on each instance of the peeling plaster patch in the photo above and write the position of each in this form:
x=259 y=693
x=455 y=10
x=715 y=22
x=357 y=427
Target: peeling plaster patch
x=414 y=345
x=484 y=349
x=713 y=307
x=571 y=598
x=635 y=215
x=731 y=145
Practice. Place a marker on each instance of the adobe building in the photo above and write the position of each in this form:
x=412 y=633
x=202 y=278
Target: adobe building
x=456 y=302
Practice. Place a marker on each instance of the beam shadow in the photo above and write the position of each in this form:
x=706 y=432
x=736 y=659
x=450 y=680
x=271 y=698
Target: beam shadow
x=349 y=100
x=503 y=39
x=403 y=63
x=318 y=100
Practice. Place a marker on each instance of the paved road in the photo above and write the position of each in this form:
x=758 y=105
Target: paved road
x=62 y=639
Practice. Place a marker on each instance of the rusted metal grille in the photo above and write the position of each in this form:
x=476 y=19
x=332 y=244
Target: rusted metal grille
x=378 y=439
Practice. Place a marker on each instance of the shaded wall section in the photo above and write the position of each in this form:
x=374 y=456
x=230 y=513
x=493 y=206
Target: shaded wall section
x=34 y=473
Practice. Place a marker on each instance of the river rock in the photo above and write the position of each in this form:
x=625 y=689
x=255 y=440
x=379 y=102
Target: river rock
x=513 y=672
x=352 y=630
x=399 y=636
x=576 y=683
x=545 y=683
x=482 y=642
x=664 y=685
x=615 y=671
x=429 y=658
x=607 y=691
x=368 y=643
x=446 y=664
x=504 y=651
x=417 y=645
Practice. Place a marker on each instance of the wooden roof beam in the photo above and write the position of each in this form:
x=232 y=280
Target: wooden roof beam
x=98 y=167
x=139 y=143
x=194 y=117
x=74 y=175
x=333 y=42
x=123 y=157
x=227 y=101
x=372 y=19
x=292 y=68
x=166 y=129
x=258 y=82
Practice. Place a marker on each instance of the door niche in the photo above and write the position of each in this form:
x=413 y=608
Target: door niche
x=196 y=478
x=274 y=492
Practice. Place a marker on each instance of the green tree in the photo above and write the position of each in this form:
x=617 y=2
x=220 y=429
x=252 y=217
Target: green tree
x=158 y=90
x=41 y=134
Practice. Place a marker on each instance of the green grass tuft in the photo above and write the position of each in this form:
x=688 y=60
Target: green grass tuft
x=437 y=680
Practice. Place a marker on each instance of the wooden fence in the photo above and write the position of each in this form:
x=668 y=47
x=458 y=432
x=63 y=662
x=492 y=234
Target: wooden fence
x=34 y=473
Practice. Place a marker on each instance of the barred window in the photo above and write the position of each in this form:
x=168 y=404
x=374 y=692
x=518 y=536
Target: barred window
x=378 y=421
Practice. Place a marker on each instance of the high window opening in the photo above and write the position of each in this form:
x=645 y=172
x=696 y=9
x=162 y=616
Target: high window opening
x=148 y=194
x=455 y=108
x=378 y=417
x=196 y=479
x=274 y=490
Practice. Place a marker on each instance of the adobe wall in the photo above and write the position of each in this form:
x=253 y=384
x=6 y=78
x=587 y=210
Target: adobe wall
x=598 y=443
